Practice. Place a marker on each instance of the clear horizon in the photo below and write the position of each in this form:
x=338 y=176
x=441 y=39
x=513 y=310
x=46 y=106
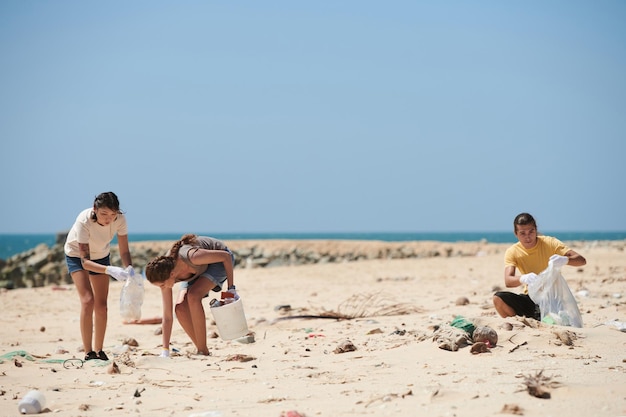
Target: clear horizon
x=297 y=116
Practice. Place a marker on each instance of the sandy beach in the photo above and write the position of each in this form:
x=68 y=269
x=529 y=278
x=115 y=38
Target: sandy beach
x=302 y=367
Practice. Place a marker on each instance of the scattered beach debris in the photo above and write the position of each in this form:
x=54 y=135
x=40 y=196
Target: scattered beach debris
x=138 y=392
x=239 y=357
x=485 y=334
x=479 y=347
x=566 y=337
x=84 y=407
x=361 y=306
x=73 y=363
x=272 y=399
x=538 y=384
x=12 y=355
x=248 y=338
x=345 y=346
x=462 y=301
x=507 y=326
x=517 y=345
x=397 y=279
x=292 y=413
x=616 y=325
x=126 y=360
x=512 y=409
x=463 y=324
x=451 y=338
x=283 y=308
x=387 y=398
x=211 y=413
x=113 y=368
x=372 y=305
x=130 y=342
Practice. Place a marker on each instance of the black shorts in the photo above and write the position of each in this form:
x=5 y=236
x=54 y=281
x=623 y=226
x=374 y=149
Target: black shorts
x=521 y=304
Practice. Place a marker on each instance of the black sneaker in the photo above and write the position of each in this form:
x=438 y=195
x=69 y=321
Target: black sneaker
x=91 y=355
x=103 y=356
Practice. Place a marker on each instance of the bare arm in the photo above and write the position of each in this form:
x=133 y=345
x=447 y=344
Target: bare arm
x=168 y=316
x=510 y=279
x=575 y=259
x=205 y=256
x=122 y=244
x=86 y=261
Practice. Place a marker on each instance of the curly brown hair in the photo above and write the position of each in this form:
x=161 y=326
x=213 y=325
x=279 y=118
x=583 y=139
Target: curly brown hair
x=160 y=268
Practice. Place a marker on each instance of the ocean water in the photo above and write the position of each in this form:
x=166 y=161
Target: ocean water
x=11 y=244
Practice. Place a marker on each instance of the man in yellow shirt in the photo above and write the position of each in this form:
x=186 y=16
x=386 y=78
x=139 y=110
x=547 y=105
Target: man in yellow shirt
x=530 y=255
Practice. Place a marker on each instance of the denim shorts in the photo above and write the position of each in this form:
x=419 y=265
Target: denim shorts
x=216 y=273
x=74 y=264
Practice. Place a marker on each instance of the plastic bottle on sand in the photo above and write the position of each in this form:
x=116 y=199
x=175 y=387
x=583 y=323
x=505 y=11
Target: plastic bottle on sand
x=32 y=403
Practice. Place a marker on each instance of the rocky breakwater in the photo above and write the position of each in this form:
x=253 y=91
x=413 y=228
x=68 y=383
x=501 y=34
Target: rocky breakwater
x=44 y=265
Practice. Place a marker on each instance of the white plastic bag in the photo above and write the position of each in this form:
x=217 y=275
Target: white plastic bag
x=131 y=298
x=555 y=300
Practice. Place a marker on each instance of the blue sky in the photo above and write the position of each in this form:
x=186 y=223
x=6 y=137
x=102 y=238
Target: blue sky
x=336 y=116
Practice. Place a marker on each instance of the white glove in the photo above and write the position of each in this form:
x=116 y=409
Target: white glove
x=117 y=273
x=165 y=353
x=558 y=261
x=130 y=270
x=528 y=278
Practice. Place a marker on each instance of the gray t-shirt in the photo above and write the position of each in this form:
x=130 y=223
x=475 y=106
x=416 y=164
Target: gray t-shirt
x=203 y=242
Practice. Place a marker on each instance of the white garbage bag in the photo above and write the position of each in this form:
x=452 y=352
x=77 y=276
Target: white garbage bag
x=555 y=299
x=131 y=298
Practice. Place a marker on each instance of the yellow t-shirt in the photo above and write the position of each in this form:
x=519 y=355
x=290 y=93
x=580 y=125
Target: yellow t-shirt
x=536 y=258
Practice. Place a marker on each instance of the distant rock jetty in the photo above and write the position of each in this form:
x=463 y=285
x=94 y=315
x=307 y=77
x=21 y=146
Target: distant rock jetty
x=44 y=265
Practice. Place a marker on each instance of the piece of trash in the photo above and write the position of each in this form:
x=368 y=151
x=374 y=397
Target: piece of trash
x=33 y=402
x=480 y=347
x=485 y=334
x=138 y=393
x=240 y=358
x=617 y=325
x=206 y=414
x=249 y=338
x=291 y=413
x=73 y=363
x=130 y=342
x=345 y=346
x=113 y=369
x=583 y=293
x=537 y=385
x=96 y=383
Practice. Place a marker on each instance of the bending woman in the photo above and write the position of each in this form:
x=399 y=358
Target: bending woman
x=87 y=253
x=200 y=264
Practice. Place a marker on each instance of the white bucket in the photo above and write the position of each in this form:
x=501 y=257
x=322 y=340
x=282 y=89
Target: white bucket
x=230 y=320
